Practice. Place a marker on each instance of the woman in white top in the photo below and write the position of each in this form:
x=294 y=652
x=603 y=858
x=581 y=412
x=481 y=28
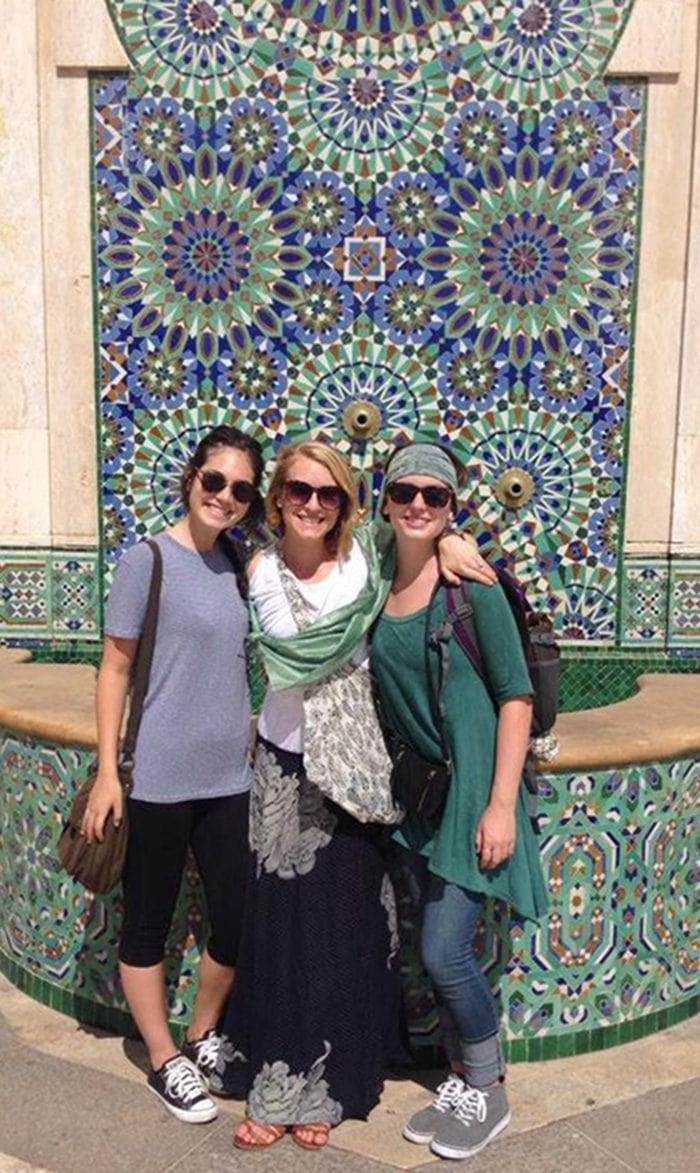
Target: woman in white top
x=314 y=1013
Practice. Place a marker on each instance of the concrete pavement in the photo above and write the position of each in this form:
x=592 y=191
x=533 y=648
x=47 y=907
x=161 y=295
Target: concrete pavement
x=73 y=1099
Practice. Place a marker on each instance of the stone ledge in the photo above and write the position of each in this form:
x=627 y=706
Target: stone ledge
x=55 y=702
x=659 y=723
x=51 y=702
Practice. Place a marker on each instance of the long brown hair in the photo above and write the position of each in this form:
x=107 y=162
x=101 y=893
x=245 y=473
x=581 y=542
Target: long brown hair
x=339 y=539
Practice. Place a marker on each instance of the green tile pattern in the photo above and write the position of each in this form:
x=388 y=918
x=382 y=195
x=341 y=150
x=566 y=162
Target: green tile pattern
x=603 y=677
x=50 y=595
x=62 y=938
x=616 y=958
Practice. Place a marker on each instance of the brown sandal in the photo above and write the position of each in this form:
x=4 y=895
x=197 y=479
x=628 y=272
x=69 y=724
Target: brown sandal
x=267 y=1134
x=320 y=1133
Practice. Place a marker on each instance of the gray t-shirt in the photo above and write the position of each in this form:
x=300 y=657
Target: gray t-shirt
x=194 y=736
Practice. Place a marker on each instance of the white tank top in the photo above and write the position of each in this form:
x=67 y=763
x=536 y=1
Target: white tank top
x=282 y=716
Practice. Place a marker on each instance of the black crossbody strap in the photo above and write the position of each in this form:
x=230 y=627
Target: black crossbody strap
x=144 y=655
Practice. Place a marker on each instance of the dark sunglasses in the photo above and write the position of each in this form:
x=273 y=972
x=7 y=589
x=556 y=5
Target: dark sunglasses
x=328 y=496
x=213 y=482
x=434 y=496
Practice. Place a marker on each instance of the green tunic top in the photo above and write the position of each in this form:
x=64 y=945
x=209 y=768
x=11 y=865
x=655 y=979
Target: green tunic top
x=399 y=664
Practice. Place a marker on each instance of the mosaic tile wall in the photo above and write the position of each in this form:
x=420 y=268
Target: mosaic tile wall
x=430 y=208
x=49 y=595
x=661 y=602
x=56 y=941
x=618 y=955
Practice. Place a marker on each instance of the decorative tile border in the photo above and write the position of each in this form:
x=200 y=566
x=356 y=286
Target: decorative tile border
x=614 y=959
x=660 y=602
x=684 y=610
x=49 y=595
x=25 y=593
x=644 y=603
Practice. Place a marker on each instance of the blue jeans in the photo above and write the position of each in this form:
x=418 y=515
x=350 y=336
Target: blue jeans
x=468 y=1011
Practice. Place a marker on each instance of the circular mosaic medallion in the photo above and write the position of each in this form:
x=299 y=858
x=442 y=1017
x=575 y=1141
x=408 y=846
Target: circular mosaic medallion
x=546 y=49
x=187 y=48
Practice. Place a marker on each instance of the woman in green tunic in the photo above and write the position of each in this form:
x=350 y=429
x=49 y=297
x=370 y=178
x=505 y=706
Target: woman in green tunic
x=484 y=844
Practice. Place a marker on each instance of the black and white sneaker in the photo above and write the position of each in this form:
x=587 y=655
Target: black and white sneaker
x=178 y=1086
x=205 y=1053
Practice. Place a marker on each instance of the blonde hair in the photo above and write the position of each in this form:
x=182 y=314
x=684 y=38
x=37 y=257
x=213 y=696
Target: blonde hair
x=339 y=539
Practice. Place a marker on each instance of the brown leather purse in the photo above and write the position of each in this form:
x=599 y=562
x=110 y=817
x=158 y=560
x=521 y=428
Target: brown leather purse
x=98 y=865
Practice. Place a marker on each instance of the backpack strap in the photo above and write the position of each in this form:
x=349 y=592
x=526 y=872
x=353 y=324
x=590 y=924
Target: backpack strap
x=461 y=622
x=438 y=638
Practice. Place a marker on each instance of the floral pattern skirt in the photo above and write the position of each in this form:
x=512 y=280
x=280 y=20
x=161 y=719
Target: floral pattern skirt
x=314 y=1014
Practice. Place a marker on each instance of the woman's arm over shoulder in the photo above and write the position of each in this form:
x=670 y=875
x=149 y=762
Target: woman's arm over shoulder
x=499 y=642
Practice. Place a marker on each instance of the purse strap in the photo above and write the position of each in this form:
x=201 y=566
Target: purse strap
x=144 y=655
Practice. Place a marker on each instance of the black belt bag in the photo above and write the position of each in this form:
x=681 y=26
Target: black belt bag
x=420 y=787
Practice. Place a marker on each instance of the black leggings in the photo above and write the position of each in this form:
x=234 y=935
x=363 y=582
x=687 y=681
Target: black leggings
x=159 y=835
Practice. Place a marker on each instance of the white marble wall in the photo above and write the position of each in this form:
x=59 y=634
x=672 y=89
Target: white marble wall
x=25 y=495
x=47 y=405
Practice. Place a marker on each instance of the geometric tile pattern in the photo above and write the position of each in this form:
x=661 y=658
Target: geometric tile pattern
x=50 y=926
x=25 y=593
x=429 y=208
x=49 y=595
x=684 y=617
x=617 y=950
x=619 y=946
x=644 y=611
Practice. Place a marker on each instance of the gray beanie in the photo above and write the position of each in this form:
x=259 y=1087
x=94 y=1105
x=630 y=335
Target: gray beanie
x=421 y=460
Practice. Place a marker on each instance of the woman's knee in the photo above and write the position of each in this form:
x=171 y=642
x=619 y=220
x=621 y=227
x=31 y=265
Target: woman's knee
x=223 y=952
x=442 y=957
x=142 y=948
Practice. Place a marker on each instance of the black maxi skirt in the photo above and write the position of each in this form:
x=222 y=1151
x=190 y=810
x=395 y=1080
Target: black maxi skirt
x=313 y=1017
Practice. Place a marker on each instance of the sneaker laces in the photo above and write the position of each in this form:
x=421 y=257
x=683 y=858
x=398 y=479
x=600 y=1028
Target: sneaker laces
x=182 y=1080
x=207 y=1050
x=471 y=1105
x=449 y=1093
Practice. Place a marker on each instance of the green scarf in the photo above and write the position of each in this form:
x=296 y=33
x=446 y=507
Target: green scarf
x=323 y=647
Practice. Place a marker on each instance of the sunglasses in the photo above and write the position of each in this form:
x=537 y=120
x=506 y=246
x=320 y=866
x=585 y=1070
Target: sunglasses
x=434 y=496
x=328 y=496
x=213 y=482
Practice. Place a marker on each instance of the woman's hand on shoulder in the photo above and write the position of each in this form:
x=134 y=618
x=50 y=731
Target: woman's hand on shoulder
x=459 y=557
x=106 y=797
x=496 y=835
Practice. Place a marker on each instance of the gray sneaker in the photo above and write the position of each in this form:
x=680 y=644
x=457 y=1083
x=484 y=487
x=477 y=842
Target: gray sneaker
x=478 y=1117
x=422 y=1126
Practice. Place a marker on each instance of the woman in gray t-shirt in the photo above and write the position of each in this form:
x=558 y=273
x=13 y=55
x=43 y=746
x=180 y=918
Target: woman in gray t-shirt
x=191 y=773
